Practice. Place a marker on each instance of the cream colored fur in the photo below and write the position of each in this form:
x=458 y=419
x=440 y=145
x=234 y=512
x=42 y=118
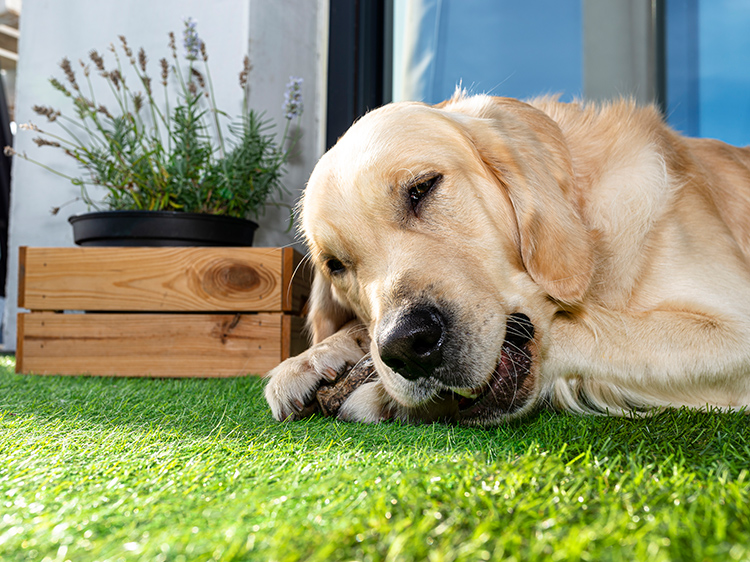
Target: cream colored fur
x=626 y=244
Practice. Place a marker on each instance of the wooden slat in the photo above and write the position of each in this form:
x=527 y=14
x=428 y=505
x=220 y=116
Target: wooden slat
x=160 y=345
x=20 y=338
x=9 y=38
x=159 y=279
x=22 y=276
x=8 y=59
x=297 y=278
x=286 y=337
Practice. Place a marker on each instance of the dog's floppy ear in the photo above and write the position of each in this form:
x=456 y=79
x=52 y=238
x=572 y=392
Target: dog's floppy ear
x=526 y=151
x=327 y=314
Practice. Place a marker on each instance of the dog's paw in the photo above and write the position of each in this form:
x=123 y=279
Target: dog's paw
x=370 y=403
x=291 y=386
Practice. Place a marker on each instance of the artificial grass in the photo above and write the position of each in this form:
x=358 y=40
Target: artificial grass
x=133 y=469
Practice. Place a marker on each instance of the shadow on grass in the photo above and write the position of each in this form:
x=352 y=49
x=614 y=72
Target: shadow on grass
x=235 y=409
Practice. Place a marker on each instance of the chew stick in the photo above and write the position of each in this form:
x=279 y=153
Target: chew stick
x=331 y=397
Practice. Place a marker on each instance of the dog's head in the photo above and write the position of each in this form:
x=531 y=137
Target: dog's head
x=450 y=231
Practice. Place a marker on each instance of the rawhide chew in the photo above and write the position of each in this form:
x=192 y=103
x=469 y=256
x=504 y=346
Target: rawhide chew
x=331 y=397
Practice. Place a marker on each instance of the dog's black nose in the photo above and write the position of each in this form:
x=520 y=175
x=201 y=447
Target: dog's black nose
x=411 y=343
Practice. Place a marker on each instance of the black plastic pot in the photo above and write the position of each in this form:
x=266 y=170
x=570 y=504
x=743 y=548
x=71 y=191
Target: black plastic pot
x=160 y=228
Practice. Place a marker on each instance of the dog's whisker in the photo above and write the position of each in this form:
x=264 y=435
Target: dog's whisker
x=302 y=263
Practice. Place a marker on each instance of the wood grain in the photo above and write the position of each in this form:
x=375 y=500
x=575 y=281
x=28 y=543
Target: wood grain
x=161 y=279
x=159 y=345
x=297 y=277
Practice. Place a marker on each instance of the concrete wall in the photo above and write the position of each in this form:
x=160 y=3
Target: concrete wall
x=282 y=37
x=619 y=50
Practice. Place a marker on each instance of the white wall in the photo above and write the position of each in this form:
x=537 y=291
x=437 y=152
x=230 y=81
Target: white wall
x=290 y=37
x=283 y=38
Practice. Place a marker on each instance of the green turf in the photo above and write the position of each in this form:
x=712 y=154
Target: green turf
x=128 y=469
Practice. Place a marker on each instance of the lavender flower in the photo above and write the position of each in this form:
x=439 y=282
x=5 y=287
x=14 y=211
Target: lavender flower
x=39 y=141
x=192 y=42
x=293 y=98
x=50 y=113
x=246 y=67
x=98 y=61
x=164 y=71
x=236 y=179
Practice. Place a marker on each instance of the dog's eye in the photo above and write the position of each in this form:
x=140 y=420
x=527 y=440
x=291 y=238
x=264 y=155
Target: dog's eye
x=334 y=266
x=420 y=188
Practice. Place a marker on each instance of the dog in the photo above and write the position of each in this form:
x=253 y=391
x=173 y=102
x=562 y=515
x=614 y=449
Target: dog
x=493 y=256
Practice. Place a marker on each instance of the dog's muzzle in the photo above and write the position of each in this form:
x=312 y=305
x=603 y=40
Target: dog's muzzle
x=414 y=344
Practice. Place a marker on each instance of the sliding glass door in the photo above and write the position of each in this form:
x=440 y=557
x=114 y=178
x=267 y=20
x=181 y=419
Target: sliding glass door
x=690 y=57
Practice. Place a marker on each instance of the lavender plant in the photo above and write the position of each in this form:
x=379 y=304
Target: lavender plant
x=151 y=156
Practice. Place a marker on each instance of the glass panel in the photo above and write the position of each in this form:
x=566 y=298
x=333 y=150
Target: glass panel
x=708 y=68
x=517 y=49
x=526 y=49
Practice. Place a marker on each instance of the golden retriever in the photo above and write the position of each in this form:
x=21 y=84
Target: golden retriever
x=493 y=256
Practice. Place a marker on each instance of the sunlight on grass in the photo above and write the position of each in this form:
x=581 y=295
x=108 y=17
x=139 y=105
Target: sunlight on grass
x=135 y=469
x=8 y=362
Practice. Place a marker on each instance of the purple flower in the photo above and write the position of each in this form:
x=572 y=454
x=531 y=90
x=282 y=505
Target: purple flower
x=293 y=98
x=191 y=40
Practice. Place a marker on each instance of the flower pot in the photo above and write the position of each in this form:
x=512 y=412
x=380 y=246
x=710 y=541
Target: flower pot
x=160 y=228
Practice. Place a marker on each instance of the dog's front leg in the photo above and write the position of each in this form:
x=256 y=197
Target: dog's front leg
x=291 y=386
x=617 y=361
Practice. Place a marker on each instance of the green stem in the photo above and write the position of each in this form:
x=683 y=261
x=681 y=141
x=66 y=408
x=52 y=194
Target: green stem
x=49 y=169
x=214 y=109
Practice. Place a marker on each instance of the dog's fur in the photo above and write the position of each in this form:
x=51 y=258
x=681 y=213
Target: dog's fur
x=626 y=246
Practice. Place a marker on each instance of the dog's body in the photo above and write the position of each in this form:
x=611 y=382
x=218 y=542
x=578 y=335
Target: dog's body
x=493 y=255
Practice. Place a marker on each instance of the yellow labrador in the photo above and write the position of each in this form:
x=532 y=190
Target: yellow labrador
x=493 y=256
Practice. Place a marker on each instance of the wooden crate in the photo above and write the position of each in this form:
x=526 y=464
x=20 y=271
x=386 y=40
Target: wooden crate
x=162 y=312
